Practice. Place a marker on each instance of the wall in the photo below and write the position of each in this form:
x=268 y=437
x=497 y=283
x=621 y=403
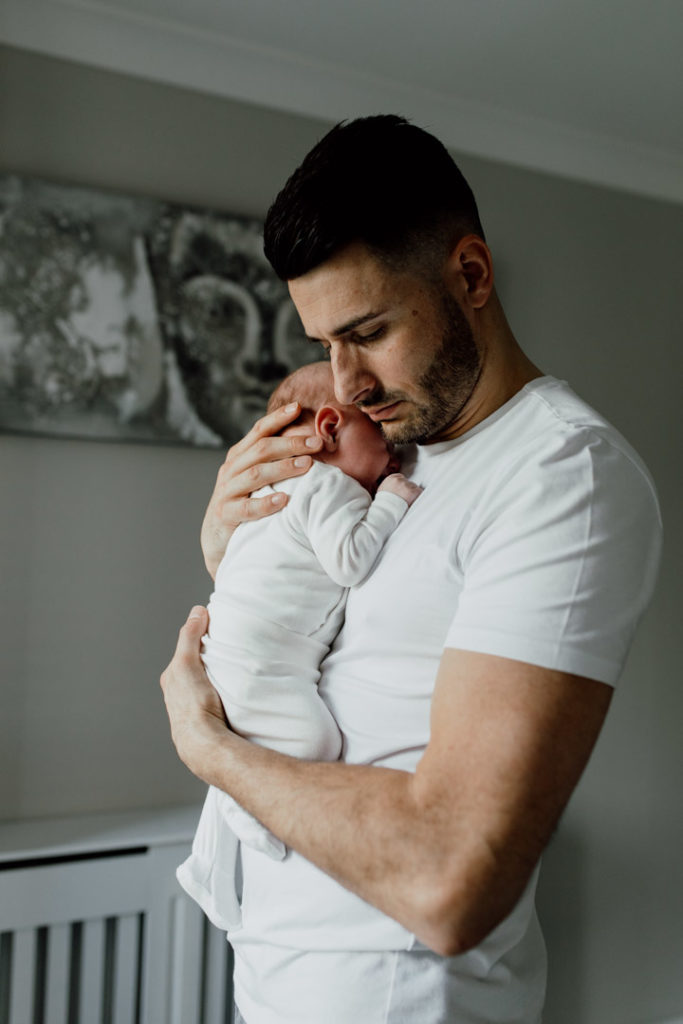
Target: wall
x=99 y=558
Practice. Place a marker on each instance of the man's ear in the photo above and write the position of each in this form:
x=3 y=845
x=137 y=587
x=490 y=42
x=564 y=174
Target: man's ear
x=469 y=271
x=328 y=421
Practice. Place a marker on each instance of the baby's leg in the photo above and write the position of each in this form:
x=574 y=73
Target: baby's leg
x=209 y=873
x=283 y=712
x=275 y=701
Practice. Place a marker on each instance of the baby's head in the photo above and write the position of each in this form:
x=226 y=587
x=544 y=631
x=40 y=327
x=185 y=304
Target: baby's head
x=351 y=441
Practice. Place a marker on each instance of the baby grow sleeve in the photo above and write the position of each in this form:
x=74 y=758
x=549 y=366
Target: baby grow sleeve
x=346 y=529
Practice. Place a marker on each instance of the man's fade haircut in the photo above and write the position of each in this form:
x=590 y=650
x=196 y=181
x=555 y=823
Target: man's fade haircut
x=377 y=180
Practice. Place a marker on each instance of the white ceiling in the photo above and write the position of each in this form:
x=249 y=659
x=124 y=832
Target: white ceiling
x=592 y=89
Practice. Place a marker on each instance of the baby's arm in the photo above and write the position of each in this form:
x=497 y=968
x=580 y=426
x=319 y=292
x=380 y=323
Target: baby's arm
x=397 y=483
x=347 y=529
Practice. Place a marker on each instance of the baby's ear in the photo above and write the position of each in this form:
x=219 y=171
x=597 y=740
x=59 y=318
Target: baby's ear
x=328 y=421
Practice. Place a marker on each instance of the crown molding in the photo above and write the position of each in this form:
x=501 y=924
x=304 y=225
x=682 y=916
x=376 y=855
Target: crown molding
x=104 y=36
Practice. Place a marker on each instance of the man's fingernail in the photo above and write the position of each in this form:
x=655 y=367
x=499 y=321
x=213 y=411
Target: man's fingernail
x=277 y=499
x=313 y=442
x=302 y=460
x=291 y=407
x=196 y=612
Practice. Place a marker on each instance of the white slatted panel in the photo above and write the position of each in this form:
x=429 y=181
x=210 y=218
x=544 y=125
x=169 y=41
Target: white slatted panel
x=57 y=974
x=125 y=970
x=160 y=959
x=187 y=968
x=88 y=939
x=23 y=972
x=92 y=971
x=80 y=891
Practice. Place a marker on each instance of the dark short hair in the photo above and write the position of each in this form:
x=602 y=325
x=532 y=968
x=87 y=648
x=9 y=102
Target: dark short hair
x=378 y=180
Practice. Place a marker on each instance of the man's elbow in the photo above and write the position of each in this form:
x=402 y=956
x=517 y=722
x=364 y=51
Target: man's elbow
x=455 y=917
x=451 y=930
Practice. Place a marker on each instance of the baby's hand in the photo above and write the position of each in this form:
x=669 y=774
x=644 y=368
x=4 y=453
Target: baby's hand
x=397 y=483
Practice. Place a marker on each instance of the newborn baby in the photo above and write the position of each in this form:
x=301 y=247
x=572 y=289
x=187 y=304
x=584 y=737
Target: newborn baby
x=279 y=603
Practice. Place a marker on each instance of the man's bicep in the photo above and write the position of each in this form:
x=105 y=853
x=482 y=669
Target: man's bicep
x=508 y=744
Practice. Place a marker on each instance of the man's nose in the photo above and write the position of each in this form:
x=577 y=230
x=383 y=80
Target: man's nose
x=352 y=380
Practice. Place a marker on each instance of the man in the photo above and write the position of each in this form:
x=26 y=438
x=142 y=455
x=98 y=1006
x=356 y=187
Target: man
x=476 y=664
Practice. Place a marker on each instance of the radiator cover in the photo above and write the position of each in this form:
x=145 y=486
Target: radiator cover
x=94 y=928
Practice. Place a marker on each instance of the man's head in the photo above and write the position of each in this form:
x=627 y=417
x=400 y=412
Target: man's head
x=376 y=180
x=351 y=441
x=380 y=240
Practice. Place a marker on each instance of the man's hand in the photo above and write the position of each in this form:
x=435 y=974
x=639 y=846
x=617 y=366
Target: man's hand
x=259 y=458
x=198 y=725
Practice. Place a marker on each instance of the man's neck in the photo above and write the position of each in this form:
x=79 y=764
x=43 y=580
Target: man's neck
x=505 y=370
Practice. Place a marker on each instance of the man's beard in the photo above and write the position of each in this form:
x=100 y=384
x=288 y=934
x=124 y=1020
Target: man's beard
x=445 y=386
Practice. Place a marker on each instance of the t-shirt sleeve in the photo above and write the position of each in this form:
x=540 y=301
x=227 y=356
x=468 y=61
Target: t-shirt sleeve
x=344 y=526
x=562 y=561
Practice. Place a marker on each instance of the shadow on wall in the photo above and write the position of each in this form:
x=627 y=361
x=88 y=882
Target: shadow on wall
x=608 y=958
x=560 y=908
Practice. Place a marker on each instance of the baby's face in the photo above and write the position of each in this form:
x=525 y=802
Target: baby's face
x=363 y=452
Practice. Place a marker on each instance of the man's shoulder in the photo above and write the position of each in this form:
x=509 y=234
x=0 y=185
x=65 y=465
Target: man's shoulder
x=548 y=407
x=545 y=441
x=564 y=455
x=545 y=417
x=570 y=429
x=554 y=407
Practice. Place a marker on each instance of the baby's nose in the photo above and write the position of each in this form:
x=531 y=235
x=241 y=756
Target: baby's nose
x=394 y=464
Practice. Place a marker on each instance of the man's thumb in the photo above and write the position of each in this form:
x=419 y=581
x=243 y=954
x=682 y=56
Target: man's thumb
x=197 y=621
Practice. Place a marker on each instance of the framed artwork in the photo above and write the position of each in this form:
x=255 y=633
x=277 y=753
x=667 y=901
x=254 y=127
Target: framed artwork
x=131 y=319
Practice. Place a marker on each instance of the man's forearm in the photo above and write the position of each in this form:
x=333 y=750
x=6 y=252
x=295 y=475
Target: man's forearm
x=448 y=850
x=368 y=828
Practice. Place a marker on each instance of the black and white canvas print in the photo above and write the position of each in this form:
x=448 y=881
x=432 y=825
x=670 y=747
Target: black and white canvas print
x=134 y=319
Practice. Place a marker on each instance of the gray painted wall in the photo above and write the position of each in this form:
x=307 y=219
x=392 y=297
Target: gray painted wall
x=99 y=559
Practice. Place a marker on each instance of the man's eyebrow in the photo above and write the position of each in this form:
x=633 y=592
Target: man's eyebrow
x=350 y=325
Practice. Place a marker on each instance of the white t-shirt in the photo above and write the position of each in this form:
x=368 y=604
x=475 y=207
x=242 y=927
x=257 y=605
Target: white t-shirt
x=537 y=538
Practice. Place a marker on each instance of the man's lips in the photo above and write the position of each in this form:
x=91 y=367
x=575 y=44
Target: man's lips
x=382 y=412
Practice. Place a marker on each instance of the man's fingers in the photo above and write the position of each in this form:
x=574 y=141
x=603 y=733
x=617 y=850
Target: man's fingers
x=267 y=426
x=256 y=476
x=263 y=442
x=258 y=508
x=273 y=421
x=193 y=706
x=267 y=450
x=190 y=637
x=255 y=461
x=192 y=631
x=197 y=621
